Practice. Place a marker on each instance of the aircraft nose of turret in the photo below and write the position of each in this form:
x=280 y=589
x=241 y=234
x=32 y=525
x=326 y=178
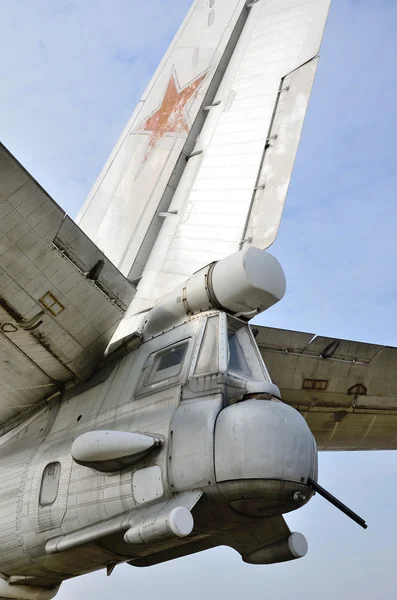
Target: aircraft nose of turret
x=264 y=455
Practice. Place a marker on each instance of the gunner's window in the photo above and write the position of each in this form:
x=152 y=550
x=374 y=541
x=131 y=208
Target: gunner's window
x=208 y=360
x=50 y=484
x=168 y=362
x=237 y=361
x=244 y=358
x=163 y=367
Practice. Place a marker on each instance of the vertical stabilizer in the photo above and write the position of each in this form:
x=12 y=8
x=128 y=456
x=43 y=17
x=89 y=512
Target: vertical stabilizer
x=121 y=214
x=203 y=168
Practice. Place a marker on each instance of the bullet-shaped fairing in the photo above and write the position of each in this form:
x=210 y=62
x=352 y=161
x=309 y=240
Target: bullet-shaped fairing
x=243 y=283
x=295 y=546
x=110 y=451
x=248 y=280
x=167 y=524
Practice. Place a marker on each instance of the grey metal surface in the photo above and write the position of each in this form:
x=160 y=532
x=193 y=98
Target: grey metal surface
x=120 y=523
x=241 y=431
x=192 y=451
x=244 y=539
x=349 y=400
x=23 y=591
x=60 y=298
x=86 y=519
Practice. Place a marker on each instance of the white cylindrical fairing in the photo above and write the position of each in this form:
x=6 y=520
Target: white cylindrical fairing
x=167 y=524
x=181 y=521
x=245 y=282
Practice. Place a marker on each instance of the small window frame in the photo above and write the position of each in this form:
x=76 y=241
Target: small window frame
x=233 y=323
x=170 y=371
x=147 y=383
x=200 y=347
x=49 y=489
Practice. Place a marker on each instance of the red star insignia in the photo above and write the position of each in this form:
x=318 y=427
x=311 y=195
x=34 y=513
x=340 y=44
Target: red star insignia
x=170 y=117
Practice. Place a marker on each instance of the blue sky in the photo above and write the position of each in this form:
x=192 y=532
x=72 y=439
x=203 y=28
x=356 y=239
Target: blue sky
x=71 y=74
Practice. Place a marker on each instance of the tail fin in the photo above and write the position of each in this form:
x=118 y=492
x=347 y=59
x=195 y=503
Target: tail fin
x=121 y=214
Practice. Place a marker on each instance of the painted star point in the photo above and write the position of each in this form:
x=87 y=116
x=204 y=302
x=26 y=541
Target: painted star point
x=170 y=116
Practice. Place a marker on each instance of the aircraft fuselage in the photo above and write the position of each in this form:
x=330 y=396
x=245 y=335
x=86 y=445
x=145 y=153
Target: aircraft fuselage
x=227 y=452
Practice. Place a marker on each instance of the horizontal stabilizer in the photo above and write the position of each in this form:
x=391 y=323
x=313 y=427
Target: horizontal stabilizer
x=347 y=391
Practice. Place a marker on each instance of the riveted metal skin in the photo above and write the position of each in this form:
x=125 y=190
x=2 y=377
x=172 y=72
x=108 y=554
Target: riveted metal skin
x=145 y=509
x=291 y=453
x=264 y=454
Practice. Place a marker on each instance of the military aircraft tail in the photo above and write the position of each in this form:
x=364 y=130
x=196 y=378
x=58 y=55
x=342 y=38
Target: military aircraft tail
x=203 y=166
